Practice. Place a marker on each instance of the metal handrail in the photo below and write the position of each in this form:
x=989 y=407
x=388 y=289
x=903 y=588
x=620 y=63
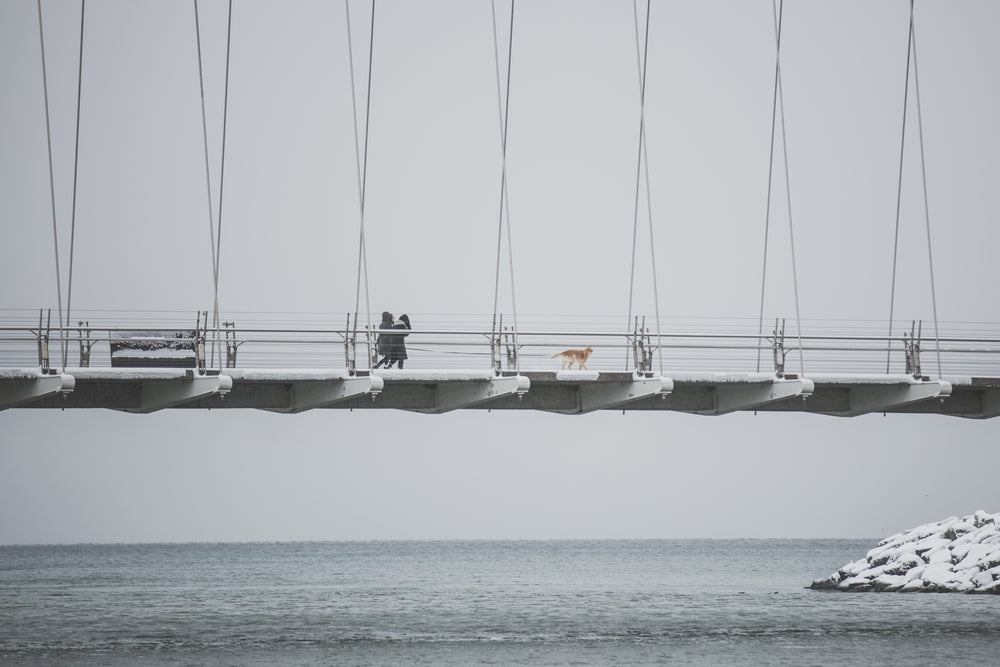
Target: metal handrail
x=445 y=345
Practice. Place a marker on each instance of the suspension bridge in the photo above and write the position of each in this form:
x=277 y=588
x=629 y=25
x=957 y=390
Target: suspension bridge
x=215 y=359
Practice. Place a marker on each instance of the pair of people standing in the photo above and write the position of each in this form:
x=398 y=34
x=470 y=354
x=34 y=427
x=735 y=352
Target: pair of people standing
x=391 y=345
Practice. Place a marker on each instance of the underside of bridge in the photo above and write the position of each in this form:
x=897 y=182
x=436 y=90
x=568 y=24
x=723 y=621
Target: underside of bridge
x=569 y=392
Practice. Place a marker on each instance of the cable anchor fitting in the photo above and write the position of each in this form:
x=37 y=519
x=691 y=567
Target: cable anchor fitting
x=86 y=344
x=778 y=350
x=350 y=350
x=231 y=344
x=642 y=347
x=911 y=344
x=44 y=330
x=200 y=336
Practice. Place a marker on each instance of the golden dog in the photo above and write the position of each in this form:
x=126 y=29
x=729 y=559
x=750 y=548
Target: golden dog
x=570 y=357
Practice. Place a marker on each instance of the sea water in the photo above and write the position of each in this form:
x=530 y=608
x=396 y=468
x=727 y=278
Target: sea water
x=700 y=602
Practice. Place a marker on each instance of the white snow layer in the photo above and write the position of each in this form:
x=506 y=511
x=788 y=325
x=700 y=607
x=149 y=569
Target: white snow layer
x=950 y=556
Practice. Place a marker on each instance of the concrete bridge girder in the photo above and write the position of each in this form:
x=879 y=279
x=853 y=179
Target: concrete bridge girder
x=865 y=399
x=160 y=395
x=32 y=387
x=991 y=404
x=732 y=398
x=313 y=394
x=283 y=390
x=456 y=395
x=595 y=395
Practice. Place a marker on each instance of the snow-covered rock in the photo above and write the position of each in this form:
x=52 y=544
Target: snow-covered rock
x=957 y=555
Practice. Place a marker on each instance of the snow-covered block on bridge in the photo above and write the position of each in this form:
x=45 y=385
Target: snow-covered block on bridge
x=153 y=349
x=957 y=555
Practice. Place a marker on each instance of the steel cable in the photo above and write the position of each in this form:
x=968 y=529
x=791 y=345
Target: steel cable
x=923 y=174
x=788 y=194
x=52 y=188
x=222 y=182
x=642 y=159
x=770 y=178
x=503 y=109
x=76 y=162
x=208 y=178
x=362 y=170
x=899 y=191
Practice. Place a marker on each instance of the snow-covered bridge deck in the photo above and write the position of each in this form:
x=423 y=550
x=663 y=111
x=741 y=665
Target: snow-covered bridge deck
x=293 y=370
x=570 y=392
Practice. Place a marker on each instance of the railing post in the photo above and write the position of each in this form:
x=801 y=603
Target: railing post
x=912 y=345
x=43 y=341
x=642 y=347
x=510 y=347
x=371 y=342
x=231 y=344
x=778 y=348
x=350 y=351
x=495 y=360
x=200 y=333
x=85 y=345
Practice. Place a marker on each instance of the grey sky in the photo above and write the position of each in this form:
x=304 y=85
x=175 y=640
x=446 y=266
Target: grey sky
x=290 y=228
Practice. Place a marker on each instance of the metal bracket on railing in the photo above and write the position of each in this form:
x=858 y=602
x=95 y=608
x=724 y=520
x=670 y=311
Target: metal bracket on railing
x=778 y=350
x=86 y=344
x=43 y=340
x=503 y=344
x=231 y=344
x=642 y=347
x=200 y=336
x=350 y=351
x=510 y=348
x=912 y=345
x=496 y=360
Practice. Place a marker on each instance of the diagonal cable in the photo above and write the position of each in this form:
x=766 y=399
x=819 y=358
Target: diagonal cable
x=222 y=182
x=643 y=162
x=788 y=197
x=770 y=179
x=208 y=177
x=76 y=162
x=52 y=187
x=899 y=192
x=923 y=174
x=503 y=109
x=362 y=168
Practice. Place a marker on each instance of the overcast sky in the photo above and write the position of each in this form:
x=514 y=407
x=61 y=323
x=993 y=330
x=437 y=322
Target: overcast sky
x=289 y=245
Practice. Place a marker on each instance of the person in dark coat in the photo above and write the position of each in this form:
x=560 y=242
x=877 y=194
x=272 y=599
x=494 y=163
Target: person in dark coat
x=397 y=353
x=384 y=344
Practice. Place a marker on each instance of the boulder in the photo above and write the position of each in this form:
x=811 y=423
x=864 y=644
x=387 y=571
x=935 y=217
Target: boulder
x=956 y=555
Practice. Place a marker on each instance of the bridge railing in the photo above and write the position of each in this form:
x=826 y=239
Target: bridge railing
x=309 y=345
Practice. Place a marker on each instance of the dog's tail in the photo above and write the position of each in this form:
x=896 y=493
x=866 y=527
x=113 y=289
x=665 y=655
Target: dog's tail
x=557 y=354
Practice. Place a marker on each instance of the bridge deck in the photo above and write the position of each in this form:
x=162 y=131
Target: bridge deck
x=429 y=391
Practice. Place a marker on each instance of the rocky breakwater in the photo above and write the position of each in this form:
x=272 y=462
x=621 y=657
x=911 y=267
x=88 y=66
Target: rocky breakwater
x=950 y=556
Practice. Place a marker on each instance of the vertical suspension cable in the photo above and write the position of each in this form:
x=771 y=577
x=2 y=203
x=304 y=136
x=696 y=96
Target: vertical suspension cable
x=899 y=194
x=923 y=173
x=788 y=197
x=643 y=160
x=222 y=183
x=779 y=12
x=52 y=187
x=208 y=178
x=503 y=109
x=76 y=162
x=362 y=166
